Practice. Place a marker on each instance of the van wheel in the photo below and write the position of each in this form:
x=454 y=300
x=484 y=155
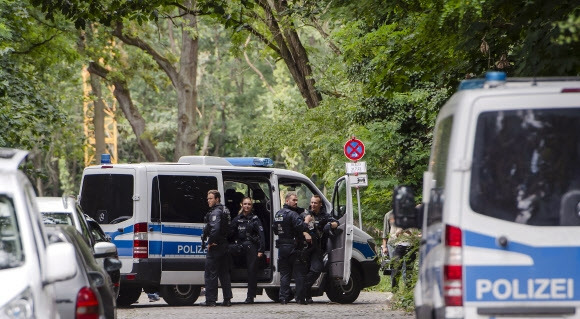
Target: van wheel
x=344 y=294
x=274 y=294
x=180 y=295
x=128 y=294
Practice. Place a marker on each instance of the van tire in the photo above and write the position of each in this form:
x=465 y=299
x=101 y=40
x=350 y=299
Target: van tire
x=180 y=295
x=128 y=294
x=348 y=293
x=274 y=294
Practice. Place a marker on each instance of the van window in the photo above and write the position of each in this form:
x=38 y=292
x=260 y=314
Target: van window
x=302 y=190
x=11 y=254
x=525 y=166
x=181 y=199
x=108 y=198
x=339 y=199
x=438 y=166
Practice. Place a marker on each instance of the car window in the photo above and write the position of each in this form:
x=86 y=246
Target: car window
x=97 y=231
x=108 y=198
x=11 y=254
x=57 y=218
x=300 y=188
x=87 y=235
x=180 y=199
x=525 y=166
x=438 y=165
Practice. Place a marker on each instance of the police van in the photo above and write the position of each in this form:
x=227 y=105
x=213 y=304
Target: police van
x=501 y=213
x=154 y=213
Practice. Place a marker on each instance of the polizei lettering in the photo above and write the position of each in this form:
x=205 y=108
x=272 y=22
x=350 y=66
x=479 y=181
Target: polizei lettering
x=530 y=289
x=190 y=249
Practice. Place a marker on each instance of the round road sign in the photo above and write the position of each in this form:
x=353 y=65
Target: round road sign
x=354 y=149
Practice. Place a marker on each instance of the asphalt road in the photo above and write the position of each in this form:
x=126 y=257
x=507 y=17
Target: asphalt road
x=368 y=305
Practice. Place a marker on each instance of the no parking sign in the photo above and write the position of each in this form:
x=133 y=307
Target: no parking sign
x=354 y=149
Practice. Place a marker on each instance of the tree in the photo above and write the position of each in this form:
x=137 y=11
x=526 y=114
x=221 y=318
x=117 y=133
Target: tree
x=35 y=103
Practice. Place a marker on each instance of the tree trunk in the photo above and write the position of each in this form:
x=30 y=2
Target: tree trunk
x=98 y=116
x=184 y=81
x=187 y=133
x=292 y=52
x=132 y=114
x=222 y=135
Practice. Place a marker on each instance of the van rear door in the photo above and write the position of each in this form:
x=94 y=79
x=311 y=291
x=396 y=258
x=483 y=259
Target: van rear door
x=108 y=196
x=178 y=208
x=521 y=219
x=340 y=246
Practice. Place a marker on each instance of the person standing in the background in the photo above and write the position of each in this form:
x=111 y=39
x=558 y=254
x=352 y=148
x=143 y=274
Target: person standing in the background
x=291 y=229
x=216 y=232
x=248 y=233
x=400 y=249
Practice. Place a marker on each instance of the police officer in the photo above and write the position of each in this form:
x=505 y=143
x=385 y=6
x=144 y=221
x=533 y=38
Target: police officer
x=320 y=228
x=248 y=234
x=217 y=260
x=291 y=229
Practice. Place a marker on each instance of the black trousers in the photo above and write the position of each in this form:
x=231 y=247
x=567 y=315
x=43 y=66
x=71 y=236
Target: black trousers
x=250 y=250
x=402 y=255
x=290 y=266
x=217 y=265
x=316 y=267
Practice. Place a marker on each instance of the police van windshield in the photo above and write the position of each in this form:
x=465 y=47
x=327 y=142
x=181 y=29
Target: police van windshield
x=526 y=166
x=11 y=254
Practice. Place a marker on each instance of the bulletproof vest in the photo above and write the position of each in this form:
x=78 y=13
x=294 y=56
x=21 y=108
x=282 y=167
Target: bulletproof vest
x=283 y=224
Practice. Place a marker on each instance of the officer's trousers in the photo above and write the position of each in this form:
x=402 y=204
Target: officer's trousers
x=217 y=265
x=290 y=266
x=251 y=251
x=316 y=267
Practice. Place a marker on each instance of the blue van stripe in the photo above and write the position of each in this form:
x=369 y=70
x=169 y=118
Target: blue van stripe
x=553 y=276
x=364 y=249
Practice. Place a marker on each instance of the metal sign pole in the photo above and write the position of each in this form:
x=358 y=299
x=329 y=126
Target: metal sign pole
x=359 y=214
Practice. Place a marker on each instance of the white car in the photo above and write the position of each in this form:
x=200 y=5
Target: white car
x=29 y=265
x=65 y=211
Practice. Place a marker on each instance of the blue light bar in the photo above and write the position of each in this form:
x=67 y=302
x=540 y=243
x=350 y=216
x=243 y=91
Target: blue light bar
x=250 y=161
x=495 y=76
x=471 y=84
x=492 y=79
x=105 y=158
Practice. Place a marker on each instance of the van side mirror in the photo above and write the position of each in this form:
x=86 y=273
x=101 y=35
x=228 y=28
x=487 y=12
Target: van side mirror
x=406 y=216
x=105 y=249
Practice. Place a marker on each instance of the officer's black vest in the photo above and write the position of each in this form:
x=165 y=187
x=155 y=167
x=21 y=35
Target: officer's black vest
x=283 y=225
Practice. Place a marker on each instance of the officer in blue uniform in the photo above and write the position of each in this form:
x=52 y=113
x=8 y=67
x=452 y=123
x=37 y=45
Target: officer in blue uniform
x=320 y=228
x=248 y=234
x=217 y=262
x=291 y=230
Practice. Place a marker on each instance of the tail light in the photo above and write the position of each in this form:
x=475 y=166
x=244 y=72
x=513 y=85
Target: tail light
x=140 y=241
x=571 y=90
x=452 y=270
x=87 y=306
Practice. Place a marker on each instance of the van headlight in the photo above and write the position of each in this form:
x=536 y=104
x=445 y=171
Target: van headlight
x=21 y=307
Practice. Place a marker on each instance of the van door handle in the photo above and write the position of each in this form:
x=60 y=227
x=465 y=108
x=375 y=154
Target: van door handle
x=423 y=241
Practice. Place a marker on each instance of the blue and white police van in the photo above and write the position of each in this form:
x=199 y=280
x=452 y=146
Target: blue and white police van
x=501 y=213
x=154 y=213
